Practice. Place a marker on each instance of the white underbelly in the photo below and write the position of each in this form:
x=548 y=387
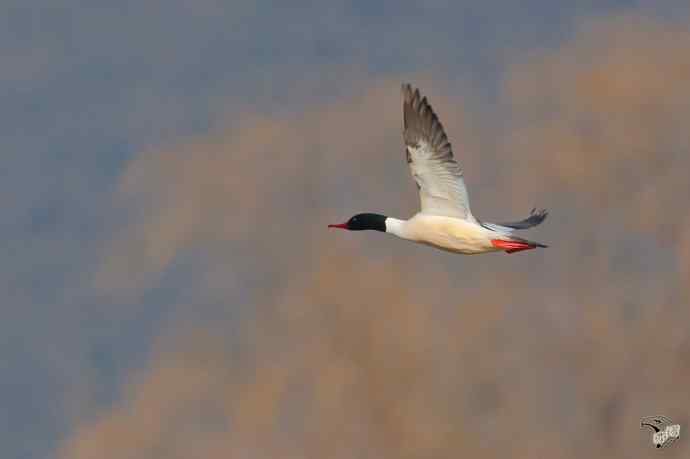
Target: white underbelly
x=450 y=234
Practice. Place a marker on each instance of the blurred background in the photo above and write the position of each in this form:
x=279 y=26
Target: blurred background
x=169 y=286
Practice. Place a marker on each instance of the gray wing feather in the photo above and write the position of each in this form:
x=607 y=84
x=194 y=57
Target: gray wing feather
x=429 y=154
x=534 y=219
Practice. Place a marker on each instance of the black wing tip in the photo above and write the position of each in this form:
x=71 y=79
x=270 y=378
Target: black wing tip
x=413 y=95
x=538 y=216
x=535 y=218
x=421 y=122
x=413 y=98
x=408 y=90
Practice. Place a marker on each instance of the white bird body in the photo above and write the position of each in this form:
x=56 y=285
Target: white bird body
x=445 y=220
x=446 y=233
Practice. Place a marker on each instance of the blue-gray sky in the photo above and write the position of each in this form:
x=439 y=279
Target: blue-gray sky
x=91 y=88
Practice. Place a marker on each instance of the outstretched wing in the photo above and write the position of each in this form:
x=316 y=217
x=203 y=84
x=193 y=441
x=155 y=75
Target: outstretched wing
x=430 y=157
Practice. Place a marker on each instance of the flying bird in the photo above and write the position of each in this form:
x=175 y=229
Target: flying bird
x=444 y=220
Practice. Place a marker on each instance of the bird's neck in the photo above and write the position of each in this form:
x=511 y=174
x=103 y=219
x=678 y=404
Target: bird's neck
x=396 y=227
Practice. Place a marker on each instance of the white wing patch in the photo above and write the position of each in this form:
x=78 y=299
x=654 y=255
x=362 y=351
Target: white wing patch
x=441 y=186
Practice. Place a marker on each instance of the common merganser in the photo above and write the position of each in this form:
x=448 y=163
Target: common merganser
x=445 y=220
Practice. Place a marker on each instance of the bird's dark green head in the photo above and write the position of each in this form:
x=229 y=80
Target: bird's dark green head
x=361 y=222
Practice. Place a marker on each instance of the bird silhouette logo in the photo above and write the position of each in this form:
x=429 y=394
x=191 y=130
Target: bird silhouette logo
x=664 y=431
